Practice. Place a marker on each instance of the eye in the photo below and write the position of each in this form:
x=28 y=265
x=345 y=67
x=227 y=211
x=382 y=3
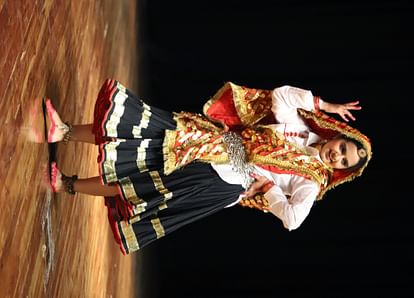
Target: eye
x=343 y=148
x=345 y=162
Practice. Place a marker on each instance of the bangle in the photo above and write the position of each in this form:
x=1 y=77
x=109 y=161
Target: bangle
x=316 y=100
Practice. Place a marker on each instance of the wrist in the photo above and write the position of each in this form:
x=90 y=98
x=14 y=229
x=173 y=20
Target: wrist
x=317 y=103
x=322 y=105
x=268 y=185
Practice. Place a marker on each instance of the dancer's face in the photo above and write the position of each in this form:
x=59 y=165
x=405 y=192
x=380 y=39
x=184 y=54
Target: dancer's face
x=339 y=153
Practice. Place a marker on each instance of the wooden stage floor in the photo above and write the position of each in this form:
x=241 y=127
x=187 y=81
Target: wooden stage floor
x=58 y=245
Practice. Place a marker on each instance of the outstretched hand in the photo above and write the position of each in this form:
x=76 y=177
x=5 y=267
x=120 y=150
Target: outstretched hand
x=342 y=110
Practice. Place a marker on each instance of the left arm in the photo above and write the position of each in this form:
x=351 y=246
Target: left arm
x=342 y=110
x=287 y=99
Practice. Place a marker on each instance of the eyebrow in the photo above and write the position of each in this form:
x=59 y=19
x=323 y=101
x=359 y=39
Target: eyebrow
x=347 y=143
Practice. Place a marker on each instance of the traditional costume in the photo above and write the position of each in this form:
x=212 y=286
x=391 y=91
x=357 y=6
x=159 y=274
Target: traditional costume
x=174 y=168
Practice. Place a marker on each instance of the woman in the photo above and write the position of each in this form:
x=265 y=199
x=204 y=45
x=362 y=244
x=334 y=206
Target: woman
x=273 y=150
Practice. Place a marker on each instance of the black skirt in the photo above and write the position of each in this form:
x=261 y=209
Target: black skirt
x=150 y=205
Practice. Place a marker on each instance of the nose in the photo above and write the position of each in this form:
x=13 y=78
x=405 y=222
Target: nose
x=336 y=156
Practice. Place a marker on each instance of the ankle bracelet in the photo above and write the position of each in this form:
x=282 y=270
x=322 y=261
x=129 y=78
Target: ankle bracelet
x=68 y=183
x=68 y=132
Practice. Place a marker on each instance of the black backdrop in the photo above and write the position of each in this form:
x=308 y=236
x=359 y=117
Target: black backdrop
x=358 y=241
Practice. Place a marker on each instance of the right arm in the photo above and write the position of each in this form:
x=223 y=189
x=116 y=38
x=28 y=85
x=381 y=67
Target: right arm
x=293 y=211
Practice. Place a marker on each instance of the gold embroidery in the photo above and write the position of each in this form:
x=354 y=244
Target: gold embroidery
x=252 y=105
x=262 y=145
x=141 y=155
x=158 y=228
x=159 y=185
x=109 y=170
x=116 y=114
x=162 y=206
x=195 y=139
x=130 y=195
x=145 y=118
x=170 y=161
x=133 y=219
x=130 y=237
x=121 y=88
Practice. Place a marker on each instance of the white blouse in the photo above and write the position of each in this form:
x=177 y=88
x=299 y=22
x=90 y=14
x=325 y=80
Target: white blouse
x=292 y=196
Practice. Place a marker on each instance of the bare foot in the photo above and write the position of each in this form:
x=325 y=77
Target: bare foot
x=56 y=178
x=56 y=127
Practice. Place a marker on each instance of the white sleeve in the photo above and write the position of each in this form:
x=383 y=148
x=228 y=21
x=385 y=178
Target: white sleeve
x=293 y=211
x=287 y=99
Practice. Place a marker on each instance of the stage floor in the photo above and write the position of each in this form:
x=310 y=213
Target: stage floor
x=58 y=245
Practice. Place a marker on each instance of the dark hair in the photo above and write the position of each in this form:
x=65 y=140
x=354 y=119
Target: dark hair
x=359 y=145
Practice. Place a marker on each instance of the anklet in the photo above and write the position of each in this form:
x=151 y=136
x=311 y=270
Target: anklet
x=68 y=183
x=67 y=128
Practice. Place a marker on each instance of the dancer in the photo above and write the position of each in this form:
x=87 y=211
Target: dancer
x=273 y=150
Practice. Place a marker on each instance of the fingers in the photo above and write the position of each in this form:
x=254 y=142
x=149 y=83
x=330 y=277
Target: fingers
x=353 y=105
x=257 y=177
x=346 y=114
x=254 y=175
x=349 y=115
x=247 y=193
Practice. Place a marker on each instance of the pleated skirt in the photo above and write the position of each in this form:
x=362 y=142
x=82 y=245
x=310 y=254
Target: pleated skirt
x=150 y=205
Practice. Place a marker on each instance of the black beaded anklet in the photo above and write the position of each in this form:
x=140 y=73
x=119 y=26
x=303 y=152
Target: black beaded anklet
x=68 y=183
x=68 y=133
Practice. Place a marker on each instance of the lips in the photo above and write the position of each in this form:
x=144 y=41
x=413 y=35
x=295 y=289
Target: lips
x=329 y=155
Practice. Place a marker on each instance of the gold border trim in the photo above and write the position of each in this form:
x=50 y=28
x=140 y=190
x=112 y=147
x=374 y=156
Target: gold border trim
x=131 y=196
x=158 y=227
x=160 y=187
x=129 y=235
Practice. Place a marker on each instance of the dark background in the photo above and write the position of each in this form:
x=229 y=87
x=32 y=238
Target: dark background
x=358 y=241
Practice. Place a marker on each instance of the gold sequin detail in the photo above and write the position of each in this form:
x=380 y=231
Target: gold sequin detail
x=116 y=114
x=159 y=186
x=141 y=155
x=158 y=228
x=130 y=195
x=130 y=237
x=145 y=118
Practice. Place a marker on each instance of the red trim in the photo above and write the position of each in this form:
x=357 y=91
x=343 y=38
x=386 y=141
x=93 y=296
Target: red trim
x=103 y=105
x=316 y=102
x=223 y=110
x=113 y=223
x=117 y=206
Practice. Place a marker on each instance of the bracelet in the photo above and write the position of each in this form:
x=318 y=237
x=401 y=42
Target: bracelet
x=68 y=132
x=68 y=183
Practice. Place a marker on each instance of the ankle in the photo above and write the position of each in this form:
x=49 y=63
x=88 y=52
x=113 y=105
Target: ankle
x=69 y=184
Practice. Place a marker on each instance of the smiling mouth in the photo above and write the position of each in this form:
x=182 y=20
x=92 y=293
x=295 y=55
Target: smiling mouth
x=328 y=155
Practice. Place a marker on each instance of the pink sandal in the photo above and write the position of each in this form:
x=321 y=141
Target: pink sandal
x=65 y=127
x=66 y=182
